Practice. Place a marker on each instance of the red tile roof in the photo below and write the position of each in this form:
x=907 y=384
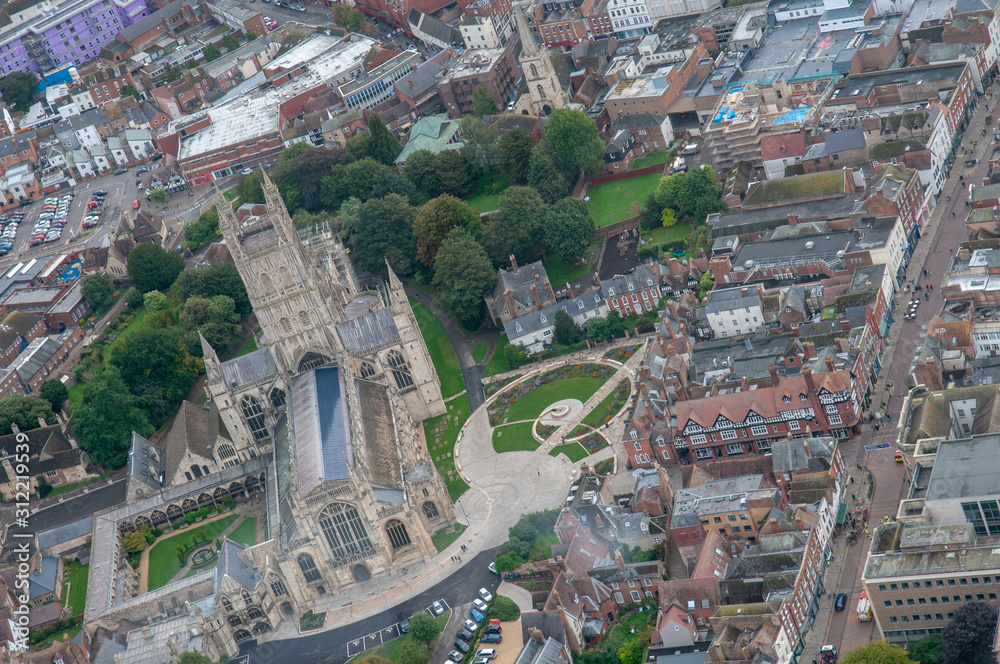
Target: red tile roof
x=782 y=146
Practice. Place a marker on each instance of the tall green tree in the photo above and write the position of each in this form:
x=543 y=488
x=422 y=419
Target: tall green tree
x=151 y=267
x=230 y=42
x=224 y=279
x=575 y=141
x=251 y=190
x=24 y=412
x=105 y=419
x=516 y=228
x=129 y=90
x=567 y=332
x=514 y=151
x=479 y=148
x=968 y=638
x=97 y=289
x=483 y=103
x=383 y=145
x=384 y=231
x=358 y=179
x=568 y=229
x=598 y=329
x=421 y=169
x=309 y=169
x=462 y=273
x=422 y=627
x=54 y=392
x=877 y=652
x=454 y=174
x=436 y=219
x=292 y=152
x=927 y=650
x=18 y=89
x=210 y=52
x=157 y=364
x=695 y=193
x=545 y=178
x=215 y=318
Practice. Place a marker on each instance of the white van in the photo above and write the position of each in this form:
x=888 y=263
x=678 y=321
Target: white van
x=488 y=653
x=690 y=149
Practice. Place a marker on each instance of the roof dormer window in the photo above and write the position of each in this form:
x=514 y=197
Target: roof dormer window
x=786 y=399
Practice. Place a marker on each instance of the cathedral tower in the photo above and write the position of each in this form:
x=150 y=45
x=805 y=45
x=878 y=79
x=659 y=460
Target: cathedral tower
x=540 y=78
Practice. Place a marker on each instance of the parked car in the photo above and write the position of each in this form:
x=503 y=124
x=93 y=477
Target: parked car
x=487 y=653
x=491 y=638
x=100 y=192
x=493 y=629
x=437 y=609
x=119 y=171
x=470 y=625
x=247 y=171
x=841 y=602
x=464 y=634
x=479 y=604
x=135 y=204
x=476 y=615
x=456 y=656
x=485 y=595
x=461 y=645
x=493 y=568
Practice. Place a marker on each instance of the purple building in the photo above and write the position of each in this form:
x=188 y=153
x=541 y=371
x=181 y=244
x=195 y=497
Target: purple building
x=48 y=36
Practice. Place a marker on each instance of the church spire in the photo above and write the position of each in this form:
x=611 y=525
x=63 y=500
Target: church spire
x=227 y=219
x=276 y=207
x=529 y=47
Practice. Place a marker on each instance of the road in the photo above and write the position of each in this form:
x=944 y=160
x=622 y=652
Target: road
x=332 y=647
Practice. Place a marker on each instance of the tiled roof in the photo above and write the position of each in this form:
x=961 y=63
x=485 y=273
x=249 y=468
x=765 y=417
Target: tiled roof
x=248 y=368
x=782 y=146
x=368 y=331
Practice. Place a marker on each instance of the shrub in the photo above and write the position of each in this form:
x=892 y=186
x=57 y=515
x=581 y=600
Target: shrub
x=156 y=532
x=503 y=608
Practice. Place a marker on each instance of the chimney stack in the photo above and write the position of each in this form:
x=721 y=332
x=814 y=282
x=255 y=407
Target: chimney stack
x=829 y=365
x=536 y=296
x=773 y=370
x=792 y=219
x=809 y=350
x=513 y=263
x=536 y=635
x=619 y=560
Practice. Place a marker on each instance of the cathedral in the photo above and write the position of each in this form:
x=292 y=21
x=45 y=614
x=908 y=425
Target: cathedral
x=323 y=423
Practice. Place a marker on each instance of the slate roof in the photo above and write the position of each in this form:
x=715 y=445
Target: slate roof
x=318 y=415
x=231 y=564
x=845 y=139
x=729 y=299
x=637 y=121
x=248 y=368
x=380 y=435
x=368 y=331
x=194 y=429
x=549 y=652
x=44 y=580
x=34 y=357
x=799 y=454
x=642 y=278
x=146 y=463
x=423 y=78
x=64 y=533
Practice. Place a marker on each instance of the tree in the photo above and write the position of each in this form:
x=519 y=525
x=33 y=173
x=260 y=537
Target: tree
x=504 y=609
x=567 y=332
x=54 y=392
x=514 y=151
x=515 y=356
x=575 y=141
x=479 y=144
x=462 y=273
x=215 y=318
x=968 y=638
x=393 y=182
x=616 y=326
x=171 y=74
x=383 y=145
x=43 y=487
x=927 y=650
x=129 y=90
x=191 y=282
x=652 y=213
x=18 y=89
x=668 y=217
x=877 y=652
x=597 y=329
x=421 y=169
x=24 y=412
x=515 y=230
x=357 y=179
x=224 y=279
x=695 y=193
x=348 y=218
x=453 y=172
x=134 y=542
x=706 y=284
x=97 y=289
x=201 y=231
x=630 y=652
x=384 y=231
x=436 y=219
x=156 y=364
x=210 y=52
x=230 y=42
x=251 y=190
x=194 y=658
x=303 y=219
x=483 y=103
x=293 y=151
x=159 y=195
x=545 y=178
x=413 y=652
x=105 y=419
x=154 y=300
x=508 y=562
x=151 y=267
x=422 y=627
x=569 y=229
x=309 y=169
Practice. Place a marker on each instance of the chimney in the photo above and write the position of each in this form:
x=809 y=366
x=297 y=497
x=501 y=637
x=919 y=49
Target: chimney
x=796 y=332
x=845 y=324
x=534 y=271
x=809 y=350
x=619 y=560
x=773 y=370
x=829 y=365
x=745 y=292
x=732 y=368
x=508 y=298
x=808 y=375
x=41 y=422
x=513 y=263
x=535 y=295
x=792 y=219
x=745 y=384
x=805 y=444
x=536 y=635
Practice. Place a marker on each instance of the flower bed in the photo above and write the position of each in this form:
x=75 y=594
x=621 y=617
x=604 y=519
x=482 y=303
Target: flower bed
x=622 y=353
x=605 y=410
x=545 y=430
x=489 y=389
x=528 y=399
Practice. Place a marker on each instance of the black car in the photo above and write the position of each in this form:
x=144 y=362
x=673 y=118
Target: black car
x=461 y=645
x=156 y=157
x=27 y=201
x=404 y=625
x=841 y=602
x=100 y=192
x=119 y=171
x=464 y=634
x=491 y=638
x=493 y=629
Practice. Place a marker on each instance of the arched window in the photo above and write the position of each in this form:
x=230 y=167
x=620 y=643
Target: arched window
x=187 y=475
x=344 y=530
x=430 y=510
x=226 y=451
x=196 y=471
x=247 y=599
x=304 y=319
x=398 y=536
x=235 y=621
x=254 y=416
x=241 y=635
x=286 y=277
x=534 y=71
x=400 y=372
x=286 y=326
x=308 y=568
x=265 y=281
x=254 y=613
x=541 y=92
x=226 y=604
x=366 y=370
x=277 y=587
x=311 y=360
x=277 y=397
x=204 y=469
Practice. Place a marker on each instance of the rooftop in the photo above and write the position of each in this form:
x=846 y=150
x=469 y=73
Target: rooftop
x=799 y=187
x=323 y=450
x=966 y=468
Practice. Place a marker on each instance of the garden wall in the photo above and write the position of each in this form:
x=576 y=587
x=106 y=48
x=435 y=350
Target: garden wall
x=619 y=226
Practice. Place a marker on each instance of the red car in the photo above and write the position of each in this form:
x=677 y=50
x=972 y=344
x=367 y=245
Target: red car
x=135 y=204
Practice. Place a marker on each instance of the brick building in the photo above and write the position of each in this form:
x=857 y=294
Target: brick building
x=637 y=292
x=17 y=330
x=37 y=362
x=494 y=70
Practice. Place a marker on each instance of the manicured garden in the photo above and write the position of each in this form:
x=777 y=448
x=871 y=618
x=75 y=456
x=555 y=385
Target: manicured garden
x=650 y=159
x=574 y=451
x=486 y=196
x=621 y=353
x=309 y=621
x=664 y=235
x=164 y=563
x=514 y=438
x=75 y=587
x=527 y=400
x=611 y=202
x=443 y=539
x=441 y=351
x=608 y=408
x=399 y=648
x=246 y=532
x=441 y=432
x=498 y=361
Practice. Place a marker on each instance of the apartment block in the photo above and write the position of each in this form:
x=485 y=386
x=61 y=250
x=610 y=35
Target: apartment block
x=493 y=70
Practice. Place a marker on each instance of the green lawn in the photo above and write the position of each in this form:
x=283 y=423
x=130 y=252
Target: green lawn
x=137 y=322
x=394 y=650
x=231 y=194
x=69 y=487
x=76 y=395
x=676 y=233
x=543 y=545
x=249 y=347
x=560 y=271
x=203 y=399
x=498 y=362
x=75 y=587
x=163 y=562
x=649 y=159
x=575 y=451
x=246 y=532
x=514 y=438
x=481 y=200
x=442 y=540
x=441 y=432
x=531 y=405
x=479 y=352
x=611 y=202
x=439 y=346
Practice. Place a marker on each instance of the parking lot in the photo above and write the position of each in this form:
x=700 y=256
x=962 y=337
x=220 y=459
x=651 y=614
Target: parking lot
x=375 y=639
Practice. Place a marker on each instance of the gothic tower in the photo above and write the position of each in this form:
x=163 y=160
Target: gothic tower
x=296 y=295
x=539 y=75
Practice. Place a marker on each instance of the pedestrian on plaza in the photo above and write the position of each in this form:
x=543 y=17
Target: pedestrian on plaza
x=539 y=471
x=951 y=249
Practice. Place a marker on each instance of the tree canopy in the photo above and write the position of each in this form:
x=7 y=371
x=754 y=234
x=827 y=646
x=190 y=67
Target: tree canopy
x=927 y=650
x=454 y=175
x=480 y=144
x=575 y=141
x=157 y=364
x=383 y=145
x=544 y=177
x=384 y=231
x=695 y=193
x=436 y=219
x=422 y=627
x=54 y=392
x=18 y=90
x=309 y=169
x=151 y=267
x=210 y=52
x=876 y=652
x=568 y=229
x=24 y=412
x=215 y=318
x=483 y=103
x=514 y=155
x=420 y=168
x=462 y=273
x=107 y=416
x=516 y=228
x=968 y=638
x=97 y=289
x=567 y=332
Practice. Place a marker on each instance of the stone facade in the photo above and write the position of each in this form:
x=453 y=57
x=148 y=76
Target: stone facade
x=540 y=78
